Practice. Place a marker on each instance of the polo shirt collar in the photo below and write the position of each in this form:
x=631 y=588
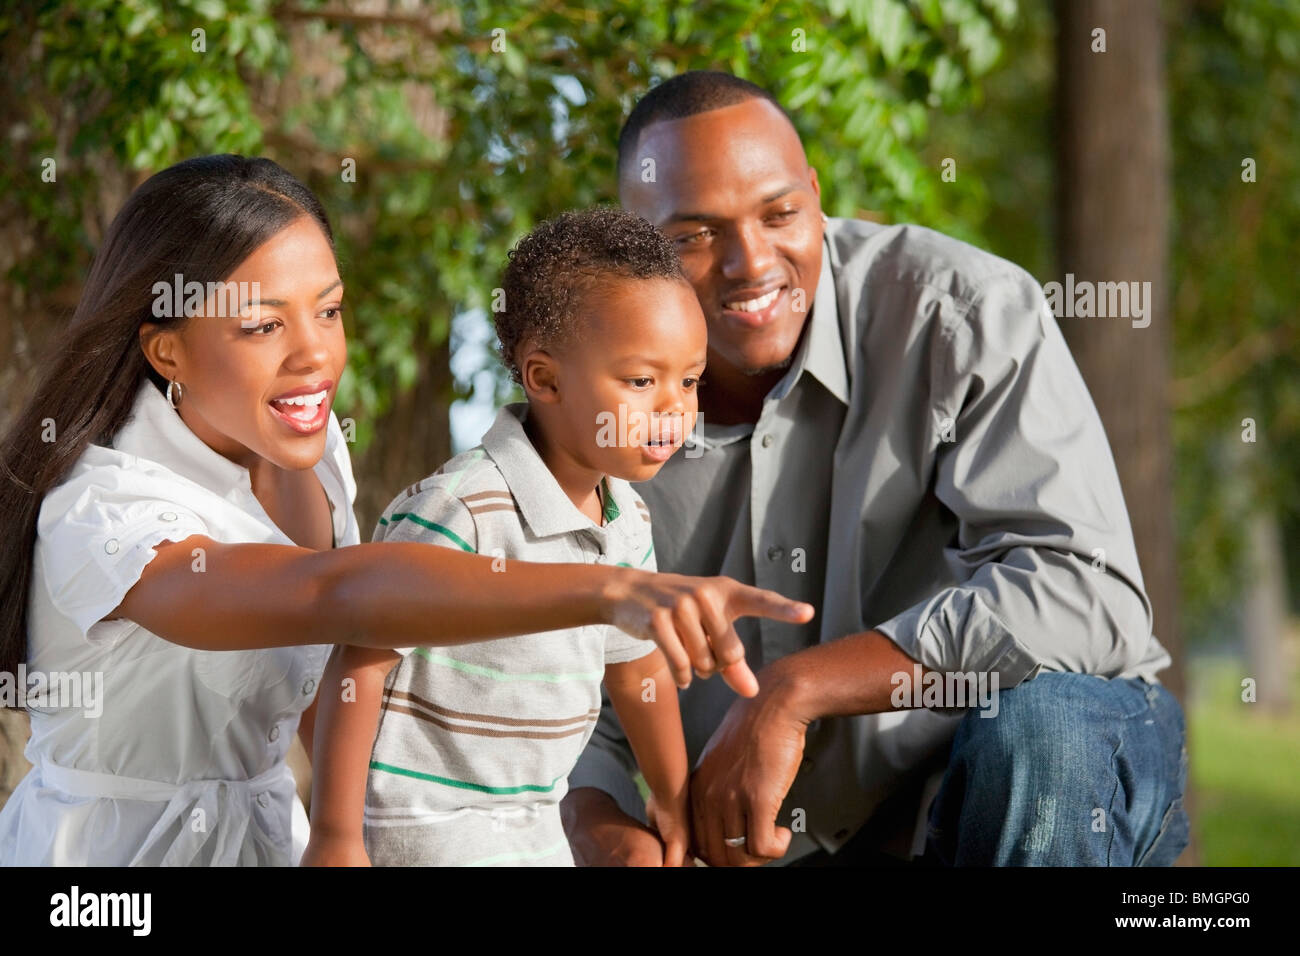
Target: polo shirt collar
x=821 y=348
x=156 y=432
x=542 y=502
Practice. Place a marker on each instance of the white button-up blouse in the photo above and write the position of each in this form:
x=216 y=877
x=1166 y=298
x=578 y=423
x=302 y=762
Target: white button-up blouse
x=182 y=760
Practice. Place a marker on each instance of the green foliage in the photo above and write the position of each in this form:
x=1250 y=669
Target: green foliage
x=1235 y=94
x=118 y=83
x=463 y=139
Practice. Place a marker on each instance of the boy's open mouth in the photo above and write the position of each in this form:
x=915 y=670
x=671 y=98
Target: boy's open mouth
x=662 y=448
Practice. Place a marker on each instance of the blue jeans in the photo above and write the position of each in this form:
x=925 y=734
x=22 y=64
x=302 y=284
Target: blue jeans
x=1075 y=770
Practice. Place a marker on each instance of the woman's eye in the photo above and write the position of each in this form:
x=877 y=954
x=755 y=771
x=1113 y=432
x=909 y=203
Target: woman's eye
x=642 y=382
x=261 y=329
x=690 y=382
x=334 y=312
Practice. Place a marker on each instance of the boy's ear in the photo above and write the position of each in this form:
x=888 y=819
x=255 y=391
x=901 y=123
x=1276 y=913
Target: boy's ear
x=540 y=375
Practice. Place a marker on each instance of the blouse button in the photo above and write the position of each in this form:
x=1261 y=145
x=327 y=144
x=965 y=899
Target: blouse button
x=261 y=800
x=308 y=686
x=767 y=441
x=168 y=516
x=274 y=735
x=110 y=546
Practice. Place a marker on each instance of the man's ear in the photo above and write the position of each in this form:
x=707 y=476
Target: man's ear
x=816 y=186
x=161 y=349
x=540 y=376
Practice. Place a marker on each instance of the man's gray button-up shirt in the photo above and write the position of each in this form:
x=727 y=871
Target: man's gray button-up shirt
x=931 y=466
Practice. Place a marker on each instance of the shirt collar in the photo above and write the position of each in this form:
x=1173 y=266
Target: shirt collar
x=156 y=432
x=820 y=353
x=542 y=502
x=821 y=348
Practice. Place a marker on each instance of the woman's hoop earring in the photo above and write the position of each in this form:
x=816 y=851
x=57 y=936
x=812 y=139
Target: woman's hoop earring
x=175 y=393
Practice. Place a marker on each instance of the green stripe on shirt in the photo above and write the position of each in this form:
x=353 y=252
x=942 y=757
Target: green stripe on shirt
x=520 y=855
x=464 y=784
x=494 y=674
x=424 y=523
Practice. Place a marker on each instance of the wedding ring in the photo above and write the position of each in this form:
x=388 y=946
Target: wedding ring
x=734 y=841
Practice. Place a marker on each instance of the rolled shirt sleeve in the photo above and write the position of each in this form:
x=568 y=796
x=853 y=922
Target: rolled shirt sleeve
x=1045 y=552
x=98 y=530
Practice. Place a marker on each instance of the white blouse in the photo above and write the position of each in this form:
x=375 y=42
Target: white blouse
x=184 y=763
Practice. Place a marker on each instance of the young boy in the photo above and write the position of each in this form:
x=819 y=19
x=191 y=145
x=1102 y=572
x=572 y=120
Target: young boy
x=473 y=744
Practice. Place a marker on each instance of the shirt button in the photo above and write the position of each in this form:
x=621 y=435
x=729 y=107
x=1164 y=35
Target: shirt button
x=274 y=735
x=168 y=516
x=110 y=546
x=308 y=686
x=774 y=553
x=262 y=801
x=767 y=441
x=805 y=765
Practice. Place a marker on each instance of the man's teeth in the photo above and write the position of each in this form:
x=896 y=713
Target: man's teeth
x=753 y=305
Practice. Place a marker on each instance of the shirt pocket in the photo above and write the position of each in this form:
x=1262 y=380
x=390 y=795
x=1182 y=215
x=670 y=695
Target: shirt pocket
x=281 y=679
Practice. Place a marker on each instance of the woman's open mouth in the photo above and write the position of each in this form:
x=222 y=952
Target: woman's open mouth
x=305 y=410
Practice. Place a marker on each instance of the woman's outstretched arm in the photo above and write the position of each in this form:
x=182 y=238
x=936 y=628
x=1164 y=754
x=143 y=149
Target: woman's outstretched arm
x=205 y=594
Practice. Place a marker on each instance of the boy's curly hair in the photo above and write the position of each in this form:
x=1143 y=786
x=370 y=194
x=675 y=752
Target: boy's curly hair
x=552 y=267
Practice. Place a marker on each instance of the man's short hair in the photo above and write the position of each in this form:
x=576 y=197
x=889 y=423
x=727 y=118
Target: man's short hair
x=554 y=266
x=685 y=95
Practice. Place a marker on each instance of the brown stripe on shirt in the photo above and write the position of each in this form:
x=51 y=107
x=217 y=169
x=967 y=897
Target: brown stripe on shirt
x=491 y=718
x=484 y=731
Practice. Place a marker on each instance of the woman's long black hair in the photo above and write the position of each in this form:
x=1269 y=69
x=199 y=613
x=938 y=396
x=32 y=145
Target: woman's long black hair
x=200 y=218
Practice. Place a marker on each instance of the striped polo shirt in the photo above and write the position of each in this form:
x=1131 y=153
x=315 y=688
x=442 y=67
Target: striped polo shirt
x=476 y=741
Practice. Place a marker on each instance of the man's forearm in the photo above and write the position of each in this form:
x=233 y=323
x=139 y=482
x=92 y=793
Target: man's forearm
x=852 y=675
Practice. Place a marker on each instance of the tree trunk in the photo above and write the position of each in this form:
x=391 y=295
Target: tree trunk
x=411 y=439
x=1264 y=621
x=1113 y=221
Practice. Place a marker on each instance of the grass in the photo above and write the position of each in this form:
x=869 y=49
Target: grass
x=1244 y=765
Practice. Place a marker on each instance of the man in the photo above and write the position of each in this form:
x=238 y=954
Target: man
x=893 y=430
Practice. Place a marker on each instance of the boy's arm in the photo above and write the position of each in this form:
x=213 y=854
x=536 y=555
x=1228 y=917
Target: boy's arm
x=347 y=721
x=644 y=696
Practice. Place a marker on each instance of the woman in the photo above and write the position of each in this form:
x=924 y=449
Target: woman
x=180 y=495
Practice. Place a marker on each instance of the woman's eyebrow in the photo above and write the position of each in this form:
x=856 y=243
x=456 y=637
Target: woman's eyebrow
x=281 y=303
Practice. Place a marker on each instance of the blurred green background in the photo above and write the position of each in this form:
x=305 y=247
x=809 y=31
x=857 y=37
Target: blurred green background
x=438 y=133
